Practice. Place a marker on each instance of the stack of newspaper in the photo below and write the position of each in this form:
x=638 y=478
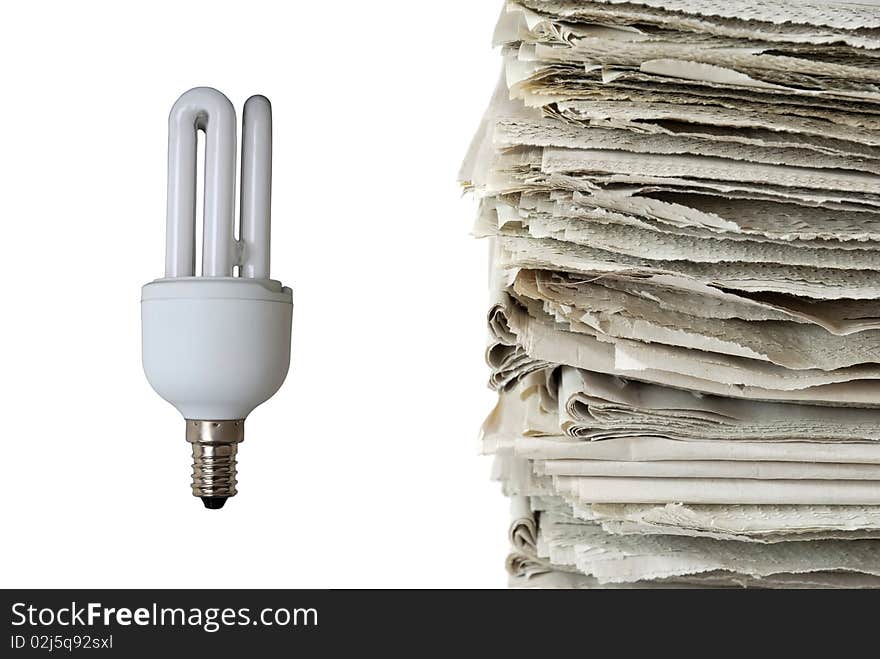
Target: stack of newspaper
x=683 y=199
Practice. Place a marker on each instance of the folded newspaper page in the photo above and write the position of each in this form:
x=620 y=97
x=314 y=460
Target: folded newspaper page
x=683 y=202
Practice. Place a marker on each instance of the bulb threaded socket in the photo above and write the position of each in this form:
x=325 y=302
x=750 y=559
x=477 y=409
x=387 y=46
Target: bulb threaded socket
x=214 y=447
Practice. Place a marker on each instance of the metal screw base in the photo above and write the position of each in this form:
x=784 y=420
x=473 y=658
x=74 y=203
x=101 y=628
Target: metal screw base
x=214 y=447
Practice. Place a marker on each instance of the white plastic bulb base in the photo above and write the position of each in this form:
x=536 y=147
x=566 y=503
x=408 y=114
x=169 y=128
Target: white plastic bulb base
x=215 y=348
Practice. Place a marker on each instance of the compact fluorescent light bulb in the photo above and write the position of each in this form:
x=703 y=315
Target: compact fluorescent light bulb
x=217 y=345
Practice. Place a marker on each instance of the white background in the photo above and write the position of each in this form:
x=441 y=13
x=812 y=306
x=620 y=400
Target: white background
x=363 y=470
